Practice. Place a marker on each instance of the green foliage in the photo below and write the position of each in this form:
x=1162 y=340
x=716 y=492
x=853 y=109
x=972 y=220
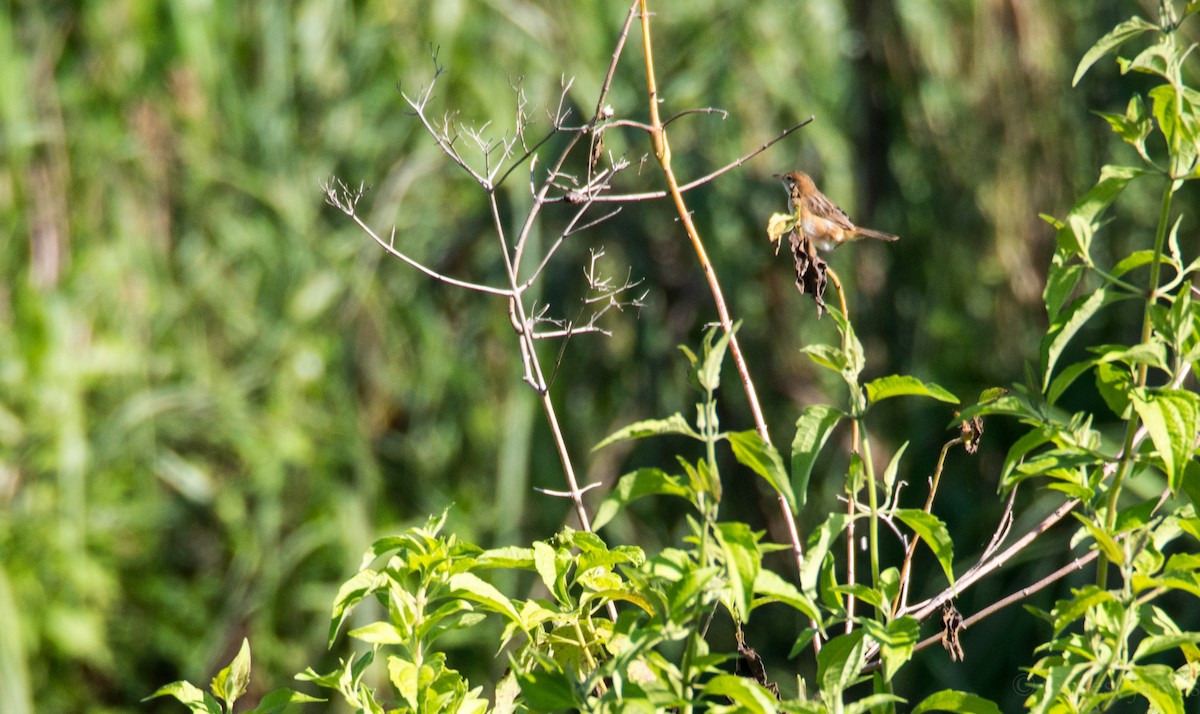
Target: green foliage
x=213 y=396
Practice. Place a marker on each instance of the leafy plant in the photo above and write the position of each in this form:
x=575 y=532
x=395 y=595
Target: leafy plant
x=617 y=628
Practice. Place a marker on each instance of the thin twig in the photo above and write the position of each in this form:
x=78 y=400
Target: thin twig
x=662 y=152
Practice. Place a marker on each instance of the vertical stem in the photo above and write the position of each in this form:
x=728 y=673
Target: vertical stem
x=662 y=151
x=1114 y=492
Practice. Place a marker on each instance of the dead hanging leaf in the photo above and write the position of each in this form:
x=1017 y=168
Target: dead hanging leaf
x=811 y=269
x=750 y=665
x=951 y=625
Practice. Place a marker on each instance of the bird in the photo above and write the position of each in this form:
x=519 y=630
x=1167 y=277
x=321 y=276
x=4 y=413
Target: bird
x=820 y=219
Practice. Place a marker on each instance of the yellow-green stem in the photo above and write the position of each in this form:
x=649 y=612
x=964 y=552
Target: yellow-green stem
x=1126 y=465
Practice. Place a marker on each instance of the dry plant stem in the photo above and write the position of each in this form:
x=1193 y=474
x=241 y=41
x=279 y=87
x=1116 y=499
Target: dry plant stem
x=662 y=152
x=906 y=569
x=1019 y=595
x=851 y=554
x=924 y=609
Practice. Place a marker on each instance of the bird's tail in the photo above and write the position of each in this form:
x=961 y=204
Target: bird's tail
x=877 y=235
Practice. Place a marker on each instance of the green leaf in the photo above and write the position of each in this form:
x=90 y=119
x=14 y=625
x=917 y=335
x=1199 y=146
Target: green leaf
x=1154 y=644
x=1118 y=36
x=630 y=487
x=1060 y=332
x=280 y=699
x=1114 y=383
x=472 y=587
x=378 y=633
x=827 y=356
x=762 y=458
x=232 y=681
x=674 y=424
x=1107 y=545
x=950 y=700
x=743 y=559
x=748 y=695
x=896 y=641
x=838 y=664
x=898 y=385
x=1172 y=418
x=893 y=467
x=191 y=696
x=819 y=543
x=812 y=431
x=1134 y=260
x=1156 y=683
x=770 y=587
x=1066 y=378
x=930 y=529
x=1060 y=284
x=546 y=690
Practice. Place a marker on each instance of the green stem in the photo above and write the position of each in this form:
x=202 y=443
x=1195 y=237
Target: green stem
x=873 y=502
x=1126 y=464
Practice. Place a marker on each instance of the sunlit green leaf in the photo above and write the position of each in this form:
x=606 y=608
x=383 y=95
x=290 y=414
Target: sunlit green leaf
x=232 y=681
x=1116 y=37
x=950 y=700
x=750 y=696
x=930 y=529
x=812 y=431
x=838 y=664
x=1172 y=418
x=898 y=385
x=750 y=450
x=630 y=487
x=896 y=641
x=674 y=424
x=195 y=699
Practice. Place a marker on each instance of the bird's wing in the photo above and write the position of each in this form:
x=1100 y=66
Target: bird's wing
x=819 y=205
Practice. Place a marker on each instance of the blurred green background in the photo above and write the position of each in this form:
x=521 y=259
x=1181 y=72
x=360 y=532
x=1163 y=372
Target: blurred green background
x=215 y=391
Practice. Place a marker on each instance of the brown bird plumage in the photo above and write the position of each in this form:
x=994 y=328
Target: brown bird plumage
x=821 y=219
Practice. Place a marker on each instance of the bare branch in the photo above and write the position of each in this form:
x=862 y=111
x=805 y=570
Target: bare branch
x=346 y=199
x=683 y=188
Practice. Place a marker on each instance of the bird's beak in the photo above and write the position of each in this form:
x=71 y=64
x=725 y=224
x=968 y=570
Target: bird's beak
x=778 y=176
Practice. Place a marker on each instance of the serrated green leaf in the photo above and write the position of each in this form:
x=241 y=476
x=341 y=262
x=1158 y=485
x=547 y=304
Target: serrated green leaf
x=279 y=700
x=1060 y=284
x=1153 y=644
x=472 y=587
x=630 y=487
x=191 y=696
x=378 y=633
x=896 y=642
x=893 y=467
x=827 y=356
x=232 y=681
x=1118 y=36
x=812 y=431
x=674 y=424
x=838 y=664
x=1114 y=382
x=1172 y=418
x=930 y=529
x=770 y=587
x=547 y=690
x=950 y=700
x=1156 y=683
x=1069 y=322
x=762 y=458
x=1134 y=260
x=748 y=695
x=742 y=562
x=1066 y=378
x=898 y=385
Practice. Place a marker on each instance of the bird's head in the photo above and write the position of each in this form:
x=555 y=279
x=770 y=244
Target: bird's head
x=796 y=180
